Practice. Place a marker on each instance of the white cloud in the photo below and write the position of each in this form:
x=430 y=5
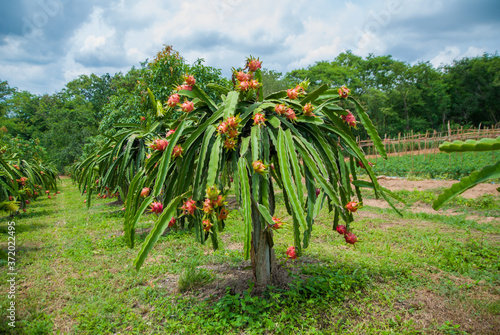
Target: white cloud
x=451 y=53
x=285 y=35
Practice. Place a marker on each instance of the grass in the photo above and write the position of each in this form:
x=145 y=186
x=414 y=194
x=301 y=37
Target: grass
x=426 y=273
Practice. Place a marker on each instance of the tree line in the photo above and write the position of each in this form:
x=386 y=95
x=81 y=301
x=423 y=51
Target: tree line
x=398 y=96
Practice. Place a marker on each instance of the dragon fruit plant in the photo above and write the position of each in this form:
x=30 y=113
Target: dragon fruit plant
x=487 y=173
x=253 y=144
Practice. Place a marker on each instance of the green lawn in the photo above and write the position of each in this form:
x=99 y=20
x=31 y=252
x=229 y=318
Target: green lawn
x=426 y=273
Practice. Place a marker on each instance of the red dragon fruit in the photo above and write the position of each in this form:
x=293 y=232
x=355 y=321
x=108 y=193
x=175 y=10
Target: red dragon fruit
x=352 y=206
x=344 y=92
x=187 y=106
x=156 y=207
x=223 y=214
x=349 y=119
x=145 y=192
x=230 y=143
x=341 y=229
x=350 y=238
x=208 y=207
x=259 y=119
x=292 y=93
x=242 y=76
x=189 y=79
x=308 y=108
x=233 y=122
x=177 y=151
x=207 y=225
x=189 y=206
x=184 y=87
x=244 y=86
x=290 y=114
x=280 y=109
x=222 y=128
x=291 y=252
x=254 y=64
x=173 y=100
x=259 y=167
x=159 y=145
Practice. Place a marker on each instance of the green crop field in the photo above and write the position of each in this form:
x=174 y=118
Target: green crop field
x=436 y=165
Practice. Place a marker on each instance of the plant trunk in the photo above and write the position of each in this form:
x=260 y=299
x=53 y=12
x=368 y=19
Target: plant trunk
x=262 y=252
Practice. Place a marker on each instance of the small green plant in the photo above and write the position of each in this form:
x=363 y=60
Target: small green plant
x=193 y=277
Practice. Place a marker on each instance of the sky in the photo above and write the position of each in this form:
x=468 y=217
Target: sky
x=44 y=44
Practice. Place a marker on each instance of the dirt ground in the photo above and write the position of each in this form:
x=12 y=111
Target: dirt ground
x=395 y=184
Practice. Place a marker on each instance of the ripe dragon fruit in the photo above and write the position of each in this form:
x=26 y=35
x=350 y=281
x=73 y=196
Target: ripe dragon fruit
x=350 y=238
x=254 y=64
x=290 y=114
x=222 y=128
x=208 y=207
x=223 y=214
x=341 y=229
x=259 y=119
x=308 y=108
x=259 y=167
x=219 y=202
x=170 y=132
x=242 y=76
x=352 y=206
x=344 y=92
x=159 y=145
x=177 y=152
x=361 y=165
x=349 y=119
x=189 y=206
x=280 y=109
x=189 y=79
x=292 y=93
x=243 y=86
x=187 y=106
x=171 y=223
x=254 y=84
x=184 y=87
x=207 y=225
x=291 y=252
x=233 y=122
x=156 y=207
x=230 y=143
x=173 y=100
x=277 y=223
x=145 y=192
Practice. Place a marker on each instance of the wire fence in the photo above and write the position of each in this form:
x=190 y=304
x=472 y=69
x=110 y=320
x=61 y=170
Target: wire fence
x=416 y=144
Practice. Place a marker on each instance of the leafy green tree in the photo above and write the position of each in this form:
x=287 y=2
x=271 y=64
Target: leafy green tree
x=273 y=81
x=473 y=85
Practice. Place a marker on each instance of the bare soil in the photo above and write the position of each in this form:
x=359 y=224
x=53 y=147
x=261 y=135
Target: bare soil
x=395 y=184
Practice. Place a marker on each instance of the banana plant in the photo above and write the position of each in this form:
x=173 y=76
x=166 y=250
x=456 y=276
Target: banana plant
x=486 y=173
x=298 y=141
